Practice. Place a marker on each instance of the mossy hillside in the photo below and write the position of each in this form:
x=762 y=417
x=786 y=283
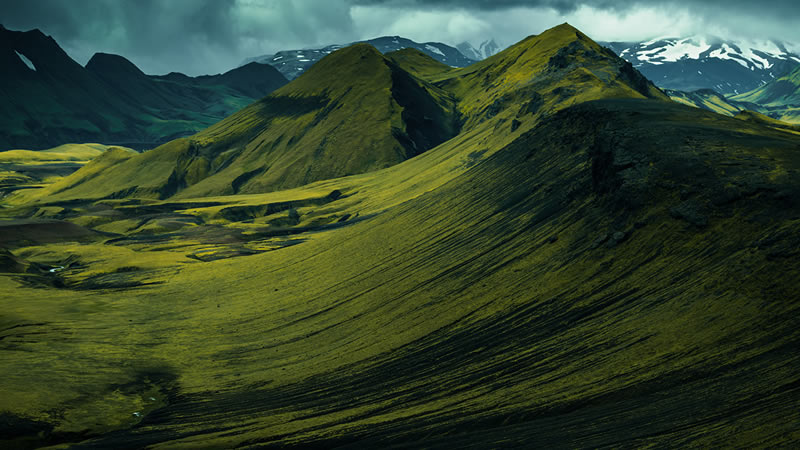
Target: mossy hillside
x=555 y=69
x=753 y=116
x=355 y=111
x=564 y=289
x=364 y=113
x=419 y=64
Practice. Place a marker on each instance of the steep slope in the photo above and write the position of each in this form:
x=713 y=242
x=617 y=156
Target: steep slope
x=49 y=99
x=695 y=63
x=354 y=112
x=293 y=63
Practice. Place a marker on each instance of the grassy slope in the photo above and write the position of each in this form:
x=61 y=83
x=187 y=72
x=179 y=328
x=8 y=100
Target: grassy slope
x=475 y=295
x=752 y=116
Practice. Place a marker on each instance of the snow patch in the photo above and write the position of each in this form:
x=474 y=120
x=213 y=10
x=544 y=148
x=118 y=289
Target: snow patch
x=434 y=49
x=26 y=61
x=676 y=50
x=726 y=52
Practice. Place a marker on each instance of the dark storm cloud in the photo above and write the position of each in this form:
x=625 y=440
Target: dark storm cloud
x=194 y=36
x=207 y=36
x=774 y=7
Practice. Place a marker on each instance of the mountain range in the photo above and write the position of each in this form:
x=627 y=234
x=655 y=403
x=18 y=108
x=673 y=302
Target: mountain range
x=292 y=63
x=540 y=249
x=486 y=49
x=49 y=99
x=694 y=63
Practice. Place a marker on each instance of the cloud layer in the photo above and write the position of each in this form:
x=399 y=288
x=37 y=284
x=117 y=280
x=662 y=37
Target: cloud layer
x=209 y=36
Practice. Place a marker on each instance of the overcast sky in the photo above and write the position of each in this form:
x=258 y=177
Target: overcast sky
x=210 y=36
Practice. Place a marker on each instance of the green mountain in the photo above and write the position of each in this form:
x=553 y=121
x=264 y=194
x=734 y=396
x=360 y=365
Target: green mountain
x=583 y=264
x=49 y=99
x=357 y=111
x=779 y=99
x=353 y=112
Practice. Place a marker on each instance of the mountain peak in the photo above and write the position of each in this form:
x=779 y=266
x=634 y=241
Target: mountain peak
x=109 y=64
x=340 y=69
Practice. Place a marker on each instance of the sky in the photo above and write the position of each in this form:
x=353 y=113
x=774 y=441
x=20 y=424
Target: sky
x=212 y=36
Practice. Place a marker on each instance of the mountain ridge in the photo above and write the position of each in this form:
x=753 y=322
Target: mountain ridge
x=697 y=62
x=283 y=140
x=292 y=63
x=110 y=100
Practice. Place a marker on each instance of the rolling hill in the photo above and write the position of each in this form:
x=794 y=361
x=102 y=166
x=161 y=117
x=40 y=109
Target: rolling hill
x=583 y=264
x=49 y=99
x=32 y=169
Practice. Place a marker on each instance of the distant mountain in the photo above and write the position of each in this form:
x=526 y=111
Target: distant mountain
x=485 y=49
x=778 y=99
x=693 y=63
x=49 y=99
x=292 y=63
x=707 y=99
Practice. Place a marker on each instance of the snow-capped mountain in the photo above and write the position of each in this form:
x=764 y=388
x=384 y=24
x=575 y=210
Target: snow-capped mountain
x=485 y=50
x=692 y=63
x=292 y=63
